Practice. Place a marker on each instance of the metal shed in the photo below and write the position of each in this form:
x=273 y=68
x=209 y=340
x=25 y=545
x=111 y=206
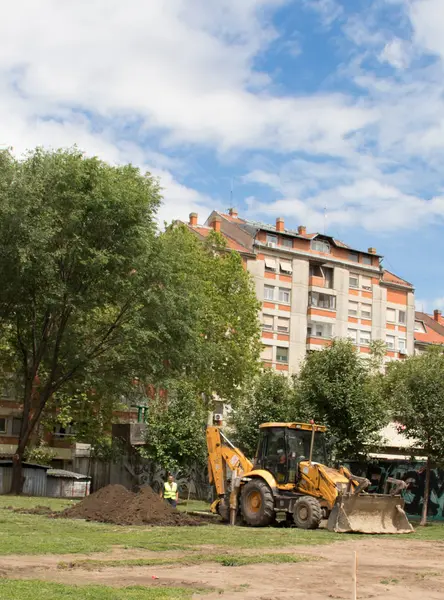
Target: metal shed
x=66 y=484
x=34 y=478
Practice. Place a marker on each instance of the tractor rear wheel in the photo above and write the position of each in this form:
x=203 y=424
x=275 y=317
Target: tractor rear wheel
x=307 y=513
x=257 y=504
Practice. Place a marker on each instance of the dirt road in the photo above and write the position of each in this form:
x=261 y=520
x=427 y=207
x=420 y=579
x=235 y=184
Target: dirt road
x=392 y=569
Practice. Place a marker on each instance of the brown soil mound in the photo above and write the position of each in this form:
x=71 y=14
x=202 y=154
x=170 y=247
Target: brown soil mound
x=115 y=504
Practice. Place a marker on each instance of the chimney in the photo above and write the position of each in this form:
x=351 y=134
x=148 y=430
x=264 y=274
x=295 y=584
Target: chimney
x=280 y=226
x=437 y=315
x=193 y=219
x=233 y=212
x=372 y=250
x=216 y=223
x=302 y=230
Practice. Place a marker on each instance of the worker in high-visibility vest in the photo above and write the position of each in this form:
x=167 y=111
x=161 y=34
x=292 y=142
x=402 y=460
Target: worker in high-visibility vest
x=170 y=492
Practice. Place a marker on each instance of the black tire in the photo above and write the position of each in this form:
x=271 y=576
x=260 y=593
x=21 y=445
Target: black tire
x=257 y=504
x=307 y=513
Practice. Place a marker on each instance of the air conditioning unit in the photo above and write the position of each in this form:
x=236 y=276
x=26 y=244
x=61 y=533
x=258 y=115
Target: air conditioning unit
x=271 y=245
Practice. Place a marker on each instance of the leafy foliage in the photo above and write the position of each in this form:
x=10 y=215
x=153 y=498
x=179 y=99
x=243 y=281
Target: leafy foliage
x=41 y=455
x=271 y=398
x=340 y=389
x=176 y=427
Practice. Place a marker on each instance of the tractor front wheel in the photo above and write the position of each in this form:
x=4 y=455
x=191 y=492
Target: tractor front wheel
x=257 y=504
x=307 y=513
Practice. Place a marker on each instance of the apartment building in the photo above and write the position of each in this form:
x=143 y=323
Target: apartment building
x=313 y=288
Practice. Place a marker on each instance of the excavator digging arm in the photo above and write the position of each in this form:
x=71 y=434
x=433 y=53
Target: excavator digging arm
x=222 y=454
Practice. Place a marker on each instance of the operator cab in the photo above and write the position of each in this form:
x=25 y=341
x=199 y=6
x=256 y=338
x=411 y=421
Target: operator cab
x=282 y=446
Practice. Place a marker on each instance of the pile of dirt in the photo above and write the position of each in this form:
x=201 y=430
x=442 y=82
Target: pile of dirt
x=115 y=504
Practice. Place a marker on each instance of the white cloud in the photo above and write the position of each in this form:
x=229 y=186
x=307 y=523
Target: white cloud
x=396 y=53
x=328 y=10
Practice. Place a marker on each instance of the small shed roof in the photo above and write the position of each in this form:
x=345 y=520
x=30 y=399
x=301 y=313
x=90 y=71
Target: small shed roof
x=66 y=474
x=26 y=465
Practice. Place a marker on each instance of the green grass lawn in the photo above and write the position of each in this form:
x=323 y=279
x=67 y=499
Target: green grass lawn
x=14 y=589
x=33 y=534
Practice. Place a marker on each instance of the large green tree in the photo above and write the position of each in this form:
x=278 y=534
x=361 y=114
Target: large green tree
x=92 y=296
x=415 y=388
x=270 y=398
x=339 y=388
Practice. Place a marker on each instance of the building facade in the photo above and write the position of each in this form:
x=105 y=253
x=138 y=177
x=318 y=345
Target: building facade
x=313 y=288
x=429 y=330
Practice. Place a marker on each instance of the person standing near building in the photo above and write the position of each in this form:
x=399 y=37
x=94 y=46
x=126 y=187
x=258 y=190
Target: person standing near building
x=170 y=492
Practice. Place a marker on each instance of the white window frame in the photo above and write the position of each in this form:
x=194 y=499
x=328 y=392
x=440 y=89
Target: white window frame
x=353 y=276
x=352 y=312
x=272 y=239
x=403 y=322
x=402 y=344
x=389 y=344
x=366 y=283
x=268 y=349
x=285 y=361
x=323 y=246
x=366 y=340
x=283 y=328
x=367 y=312
x=286 y=267
x=352 y=334
x=390 y=311
x=420 y=327
x=267 y=288
x=283 y=291
x=286 y=242
x=265 y=326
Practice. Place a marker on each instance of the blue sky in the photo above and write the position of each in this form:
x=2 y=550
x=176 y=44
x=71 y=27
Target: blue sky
x=306 y=106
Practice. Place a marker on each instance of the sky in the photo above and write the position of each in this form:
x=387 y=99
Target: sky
x=328 y=113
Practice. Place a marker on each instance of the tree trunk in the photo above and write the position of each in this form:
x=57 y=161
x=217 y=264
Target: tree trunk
x=17 y=471
x=425 y=506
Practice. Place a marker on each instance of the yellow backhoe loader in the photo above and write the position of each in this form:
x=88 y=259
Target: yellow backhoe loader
x=289 y=475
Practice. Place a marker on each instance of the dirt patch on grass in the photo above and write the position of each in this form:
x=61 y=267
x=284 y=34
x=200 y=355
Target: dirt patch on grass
x=115 y=504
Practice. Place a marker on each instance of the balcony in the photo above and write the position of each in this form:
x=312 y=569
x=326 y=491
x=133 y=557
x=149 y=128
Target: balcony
x=320 y=276
x=321 y=305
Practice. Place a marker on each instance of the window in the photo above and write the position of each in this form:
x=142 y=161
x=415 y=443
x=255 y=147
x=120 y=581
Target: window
x=401 y=317
x=352 y=335
x=16 y=426
x=282 y=355
x=353 y=280
x=328 y=274
x=320 y=246
x=270 y=264
x=402 y=344
x=367 y=260
x=286 y=242
x=268 y=322
x=2 y=425
x=267 y=353
x=366 y=311
x=365 y=338
x=322 y=300
x=268 y=292
x=419 y=327
x=271 y=239
x=353 y=309
x=390 y=341
x=322 y=330
x=283 y=325
x=316 y=271
x=391 y=315
x=353 y=256
x=284 y=295
x=286 y=266
x=366 y=283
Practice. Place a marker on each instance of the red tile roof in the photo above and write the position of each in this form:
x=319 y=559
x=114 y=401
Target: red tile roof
x=434 y=330
x=389 y=277
x=232 y=244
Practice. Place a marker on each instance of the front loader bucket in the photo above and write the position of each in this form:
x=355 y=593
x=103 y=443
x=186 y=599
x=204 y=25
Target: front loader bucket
x=369 y=513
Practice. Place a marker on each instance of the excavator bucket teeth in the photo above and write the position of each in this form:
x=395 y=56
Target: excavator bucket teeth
x=369 y=513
